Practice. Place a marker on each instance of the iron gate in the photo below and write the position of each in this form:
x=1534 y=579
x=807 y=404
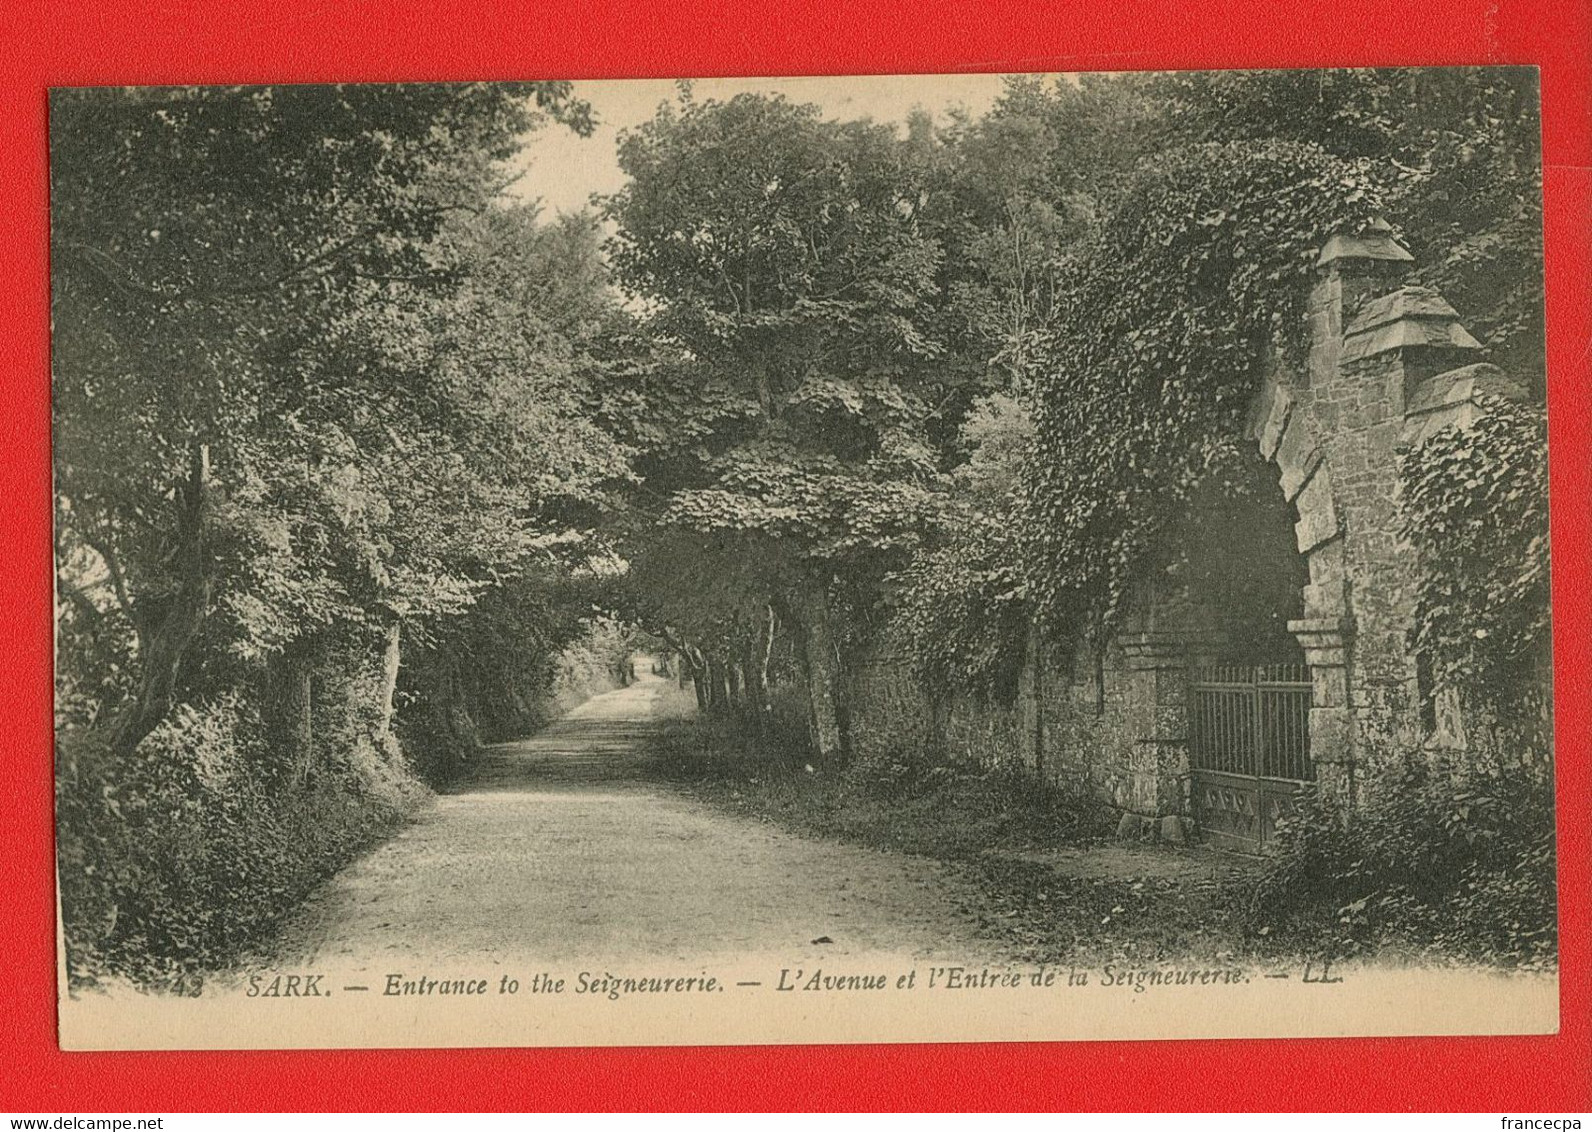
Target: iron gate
x=1249 y=748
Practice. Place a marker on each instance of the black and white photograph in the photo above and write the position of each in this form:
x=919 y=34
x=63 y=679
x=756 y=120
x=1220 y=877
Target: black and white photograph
x=851 y=559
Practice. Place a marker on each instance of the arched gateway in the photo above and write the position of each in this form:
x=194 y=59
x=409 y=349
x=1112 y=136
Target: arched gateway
x=1386 y=366
x=1290 y=661
x=1261 y=724
x=1250 y=687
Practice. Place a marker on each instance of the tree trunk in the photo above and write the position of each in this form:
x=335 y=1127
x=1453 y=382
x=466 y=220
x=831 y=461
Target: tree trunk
x=1036 y=662
x=753 y=695
x=699 y=680
x=718 y=686
x=758 y=654
x=765 y=392
x=391 y=656
x=769 y=628
x=823 y=672
x=164 y=648
x=301 y=711
x=461 y=722
x=438 y=698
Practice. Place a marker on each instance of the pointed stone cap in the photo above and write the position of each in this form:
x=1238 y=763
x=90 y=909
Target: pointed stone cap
x=1466 y=383
x=1375 y=243
x=1411 y=317
x=1455 y=398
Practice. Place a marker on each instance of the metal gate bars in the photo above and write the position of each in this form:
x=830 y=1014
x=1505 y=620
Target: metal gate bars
x=1249 y=748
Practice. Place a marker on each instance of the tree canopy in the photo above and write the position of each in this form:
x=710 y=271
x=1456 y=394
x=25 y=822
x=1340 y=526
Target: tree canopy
x=358 y=459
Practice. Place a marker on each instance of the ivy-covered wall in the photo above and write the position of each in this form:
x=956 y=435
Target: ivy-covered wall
x=891 y=717
x=1386 y=367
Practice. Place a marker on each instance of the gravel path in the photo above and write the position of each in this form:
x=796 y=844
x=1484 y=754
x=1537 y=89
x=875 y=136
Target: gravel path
x=560 y=851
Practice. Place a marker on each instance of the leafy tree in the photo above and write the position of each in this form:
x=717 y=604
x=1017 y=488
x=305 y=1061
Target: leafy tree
x=787 y=269
x=246 y=300
x=1014 y=192
x=1455 y=153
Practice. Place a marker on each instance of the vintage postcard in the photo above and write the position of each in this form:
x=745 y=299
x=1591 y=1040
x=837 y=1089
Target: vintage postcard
x=847 y=559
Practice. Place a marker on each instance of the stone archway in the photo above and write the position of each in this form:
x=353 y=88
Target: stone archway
x=1280 y=425
x=1178 y=684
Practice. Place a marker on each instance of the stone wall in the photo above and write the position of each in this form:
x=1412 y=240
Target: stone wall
x=1094 y=739
x=887 y=712
x=890 y=716
x=1078 y=725
x=1386 y=365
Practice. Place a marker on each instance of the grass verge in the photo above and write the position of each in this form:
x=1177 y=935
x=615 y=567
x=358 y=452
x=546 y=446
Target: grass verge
x=1052 y=885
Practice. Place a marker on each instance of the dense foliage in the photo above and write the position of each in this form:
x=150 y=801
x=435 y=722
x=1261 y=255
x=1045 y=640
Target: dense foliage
x=318 y=392
x=1171 y=312
x=1457 y=866
x=1475 y=502
x=175 y=859
x=1456 y=156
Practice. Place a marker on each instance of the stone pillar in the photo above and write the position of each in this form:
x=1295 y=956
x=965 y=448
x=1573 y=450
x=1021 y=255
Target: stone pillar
x=1158 y=762
x=1396 y=349
x=1350 y=269
x=1356 y=605
x=1325 y=641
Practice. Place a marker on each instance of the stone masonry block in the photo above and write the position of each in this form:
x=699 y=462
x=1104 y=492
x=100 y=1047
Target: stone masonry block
x=1318 y=516
x=1325 y=640
x=1298 y=456
x=1326 y=564
x=1325 y=599
x=1276 y=422
x=1260 y=408
x=1331 y=729
x=1329 y=687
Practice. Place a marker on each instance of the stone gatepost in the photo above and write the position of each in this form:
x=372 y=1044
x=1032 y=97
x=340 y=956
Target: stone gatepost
x=1325 y=641
x=1158 y=761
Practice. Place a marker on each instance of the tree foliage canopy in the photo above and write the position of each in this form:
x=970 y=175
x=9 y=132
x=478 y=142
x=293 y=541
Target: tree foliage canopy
x=299 y=374
x=356 y=460
x=791 y=289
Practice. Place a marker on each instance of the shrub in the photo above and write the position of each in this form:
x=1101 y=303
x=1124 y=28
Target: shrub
x=1457 y=866
x=898 y=797
x=176 y=859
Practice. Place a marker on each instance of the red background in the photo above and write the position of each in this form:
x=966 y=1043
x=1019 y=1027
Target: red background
x=97 y=41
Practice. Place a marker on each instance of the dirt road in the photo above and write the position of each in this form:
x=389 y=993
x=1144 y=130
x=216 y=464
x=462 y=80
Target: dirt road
x=559 y=850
